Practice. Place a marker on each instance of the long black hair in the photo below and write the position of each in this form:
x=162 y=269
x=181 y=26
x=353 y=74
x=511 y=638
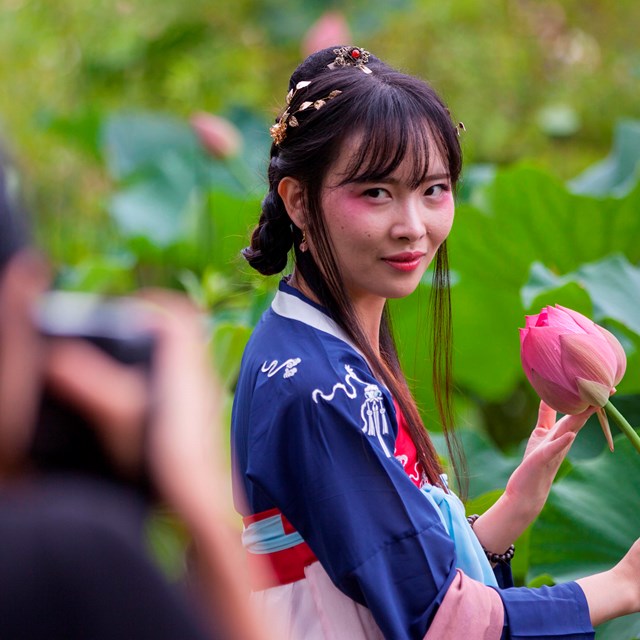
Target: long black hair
x=393 y=116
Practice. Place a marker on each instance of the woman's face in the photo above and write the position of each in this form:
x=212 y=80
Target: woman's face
x=385 y=233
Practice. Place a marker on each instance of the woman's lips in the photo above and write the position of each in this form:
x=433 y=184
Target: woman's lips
x=407 y=261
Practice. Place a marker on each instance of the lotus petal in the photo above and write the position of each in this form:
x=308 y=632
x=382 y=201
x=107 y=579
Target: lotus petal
x=557 y=397
x=621 y=356
x=585 y=357
x=557 y=317
x=541 y=352
x=583 y=322
x=531 y=321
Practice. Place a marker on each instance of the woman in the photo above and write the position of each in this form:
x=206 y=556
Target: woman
x=335 y=473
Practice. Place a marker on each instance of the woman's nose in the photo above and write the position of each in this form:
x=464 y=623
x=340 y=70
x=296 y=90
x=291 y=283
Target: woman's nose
x=410 y=223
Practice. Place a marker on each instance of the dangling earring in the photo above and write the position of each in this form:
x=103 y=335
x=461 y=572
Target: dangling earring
x=303 y=243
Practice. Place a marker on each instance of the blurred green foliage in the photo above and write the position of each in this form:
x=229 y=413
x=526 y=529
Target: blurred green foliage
x=543 y=79
x=97 y=98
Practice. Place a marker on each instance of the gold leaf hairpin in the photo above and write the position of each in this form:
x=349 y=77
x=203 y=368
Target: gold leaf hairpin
x=278 y=131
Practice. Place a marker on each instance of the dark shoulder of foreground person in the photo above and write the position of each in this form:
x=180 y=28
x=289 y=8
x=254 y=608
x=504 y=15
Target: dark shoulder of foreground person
x=74 y=564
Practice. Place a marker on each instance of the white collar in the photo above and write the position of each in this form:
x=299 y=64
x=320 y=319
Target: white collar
x=290 y=306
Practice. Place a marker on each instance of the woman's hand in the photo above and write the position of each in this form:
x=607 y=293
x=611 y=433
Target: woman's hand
x=177 y=401
x=547 y=447
x=529 y=485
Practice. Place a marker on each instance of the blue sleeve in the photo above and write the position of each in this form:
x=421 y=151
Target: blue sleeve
x=560 y=611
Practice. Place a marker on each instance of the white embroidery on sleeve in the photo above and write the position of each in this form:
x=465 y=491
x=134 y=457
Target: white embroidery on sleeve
x=290 y=367
x=372 y=411
x=351 y=392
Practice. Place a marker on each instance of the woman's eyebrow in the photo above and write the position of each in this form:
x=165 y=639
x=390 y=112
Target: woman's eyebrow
x=392 y=180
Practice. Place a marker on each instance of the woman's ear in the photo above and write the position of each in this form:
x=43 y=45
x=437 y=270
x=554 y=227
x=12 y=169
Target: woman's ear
x=292 y=194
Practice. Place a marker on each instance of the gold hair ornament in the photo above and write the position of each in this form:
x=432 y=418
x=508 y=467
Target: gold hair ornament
x=278 y=131
x=351 y=57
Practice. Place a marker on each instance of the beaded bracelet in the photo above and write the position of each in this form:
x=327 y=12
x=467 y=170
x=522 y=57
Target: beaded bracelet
x=494 y=558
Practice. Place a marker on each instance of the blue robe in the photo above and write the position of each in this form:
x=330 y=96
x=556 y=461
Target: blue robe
x=313 y=434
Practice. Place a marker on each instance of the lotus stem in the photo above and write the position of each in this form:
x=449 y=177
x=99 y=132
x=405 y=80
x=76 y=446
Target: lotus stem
x=625 y=427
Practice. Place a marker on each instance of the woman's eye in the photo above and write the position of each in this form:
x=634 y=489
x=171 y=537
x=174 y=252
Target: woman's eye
x=377 y=193
x=436 y=189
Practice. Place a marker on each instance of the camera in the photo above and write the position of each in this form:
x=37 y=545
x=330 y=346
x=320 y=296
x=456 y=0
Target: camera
x=64 y=440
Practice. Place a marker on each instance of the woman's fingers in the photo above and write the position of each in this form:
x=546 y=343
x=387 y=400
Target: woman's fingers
x=559 y=446
x=546 y=416
x=574 y=423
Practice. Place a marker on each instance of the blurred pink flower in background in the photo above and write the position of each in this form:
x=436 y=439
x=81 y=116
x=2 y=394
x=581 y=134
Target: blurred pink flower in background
x=571 y=362
x=329 y=30
x=218 y=136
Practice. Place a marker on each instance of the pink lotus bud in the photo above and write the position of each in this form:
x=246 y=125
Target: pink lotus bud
x=218 y=136
x=570 y=361
x=331 y=29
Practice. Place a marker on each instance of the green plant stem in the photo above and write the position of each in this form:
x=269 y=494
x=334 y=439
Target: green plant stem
x=625 y=427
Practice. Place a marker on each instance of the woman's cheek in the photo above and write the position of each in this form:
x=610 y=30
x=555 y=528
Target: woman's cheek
x=443 y=228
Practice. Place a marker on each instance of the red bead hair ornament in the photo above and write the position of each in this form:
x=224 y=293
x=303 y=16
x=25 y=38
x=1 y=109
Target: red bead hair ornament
x=351 y=57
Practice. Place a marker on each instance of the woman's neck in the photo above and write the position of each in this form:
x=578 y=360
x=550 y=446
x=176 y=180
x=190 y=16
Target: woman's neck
x=368 y=310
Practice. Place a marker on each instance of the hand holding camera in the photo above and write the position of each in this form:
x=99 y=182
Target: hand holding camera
x=122 y=374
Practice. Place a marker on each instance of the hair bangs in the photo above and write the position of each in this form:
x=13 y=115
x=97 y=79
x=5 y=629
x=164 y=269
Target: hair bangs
x=387 y=134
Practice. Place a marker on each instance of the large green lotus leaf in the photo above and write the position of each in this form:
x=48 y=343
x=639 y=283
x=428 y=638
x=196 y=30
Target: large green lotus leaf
x=613 y=284
x=412 y=328
x=486 y=317
x=488 y=468
x=591 y=516
x=161 y=206
x=135 y=141
x=526 y=216
x=544 y=287
x=625 y=628
x=168 y=181
x=589 y=522
x=618 y=172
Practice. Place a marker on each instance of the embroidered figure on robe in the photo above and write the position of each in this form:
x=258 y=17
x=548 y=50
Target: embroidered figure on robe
x=374 y=415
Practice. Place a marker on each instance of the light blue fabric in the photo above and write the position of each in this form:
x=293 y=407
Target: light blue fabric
x=268 y=536
x=470 y=557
